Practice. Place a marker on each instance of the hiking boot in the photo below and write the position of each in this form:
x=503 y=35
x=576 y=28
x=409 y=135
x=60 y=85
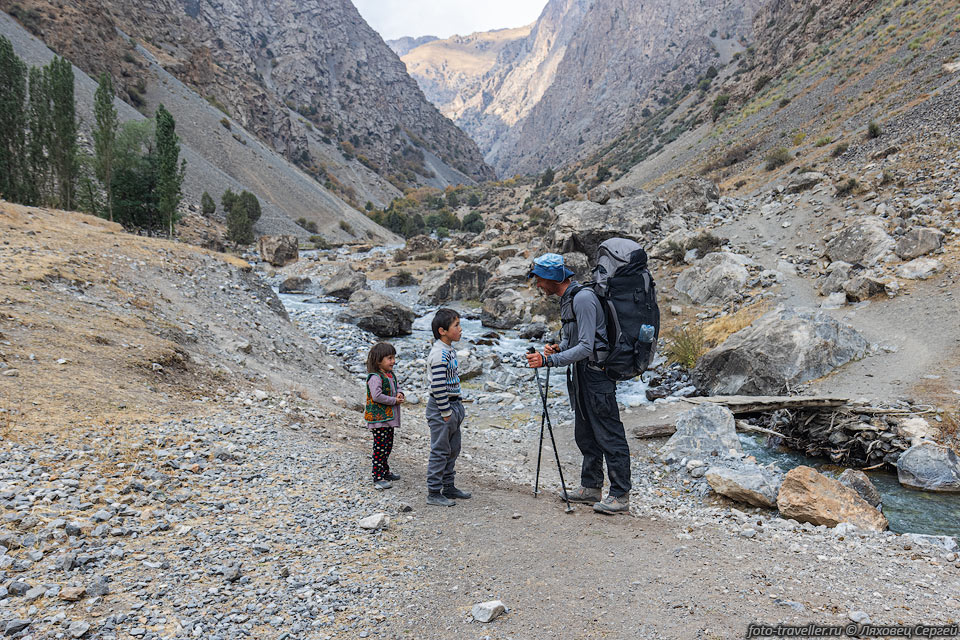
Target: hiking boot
x=382 y=484
x=392 y=476
x=613 y=505
x=453 y=492
x=585 y=495
x=439 y=500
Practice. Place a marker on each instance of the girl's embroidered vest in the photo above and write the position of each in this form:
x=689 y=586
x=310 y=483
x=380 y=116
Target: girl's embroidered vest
x=376 y=412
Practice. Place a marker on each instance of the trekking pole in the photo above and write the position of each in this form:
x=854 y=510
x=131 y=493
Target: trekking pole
x=545 y=417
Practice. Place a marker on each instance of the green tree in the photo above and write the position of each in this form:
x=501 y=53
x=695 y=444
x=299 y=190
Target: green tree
x=88 y=193
x=37 y=186
x=250 y=205
x=473 y=222
x=239 y=227
x=63 y=142
x=13 y=93
x=227 y=200
x=473 y=200
x=452 y=200
x=104 y=136
x=169 y=174
x=603 y=172
x=207 y=205
x=134 y=177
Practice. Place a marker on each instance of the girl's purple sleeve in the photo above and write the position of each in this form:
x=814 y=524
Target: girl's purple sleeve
x=376 y=391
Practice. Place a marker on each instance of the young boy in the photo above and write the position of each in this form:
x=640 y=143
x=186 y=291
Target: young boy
x=444 y=410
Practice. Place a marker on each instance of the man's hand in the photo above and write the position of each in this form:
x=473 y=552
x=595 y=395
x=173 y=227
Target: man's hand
x=401 y=398
x=551 y=348
x=446 y=418
x=535 y=360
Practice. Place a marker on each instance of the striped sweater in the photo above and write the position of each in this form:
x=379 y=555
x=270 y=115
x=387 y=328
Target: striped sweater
x=443 y=378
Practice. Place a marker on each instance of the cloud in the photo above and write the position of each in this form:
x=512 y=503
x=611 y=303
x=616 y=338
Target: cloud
x=444 y=18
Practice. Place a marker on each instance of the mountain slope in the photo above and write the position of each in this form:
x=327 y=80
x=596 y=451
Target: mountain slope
x=259 y=60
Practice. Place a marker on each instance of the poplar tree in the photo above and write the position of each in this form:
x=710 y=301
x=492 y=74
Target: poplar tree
x=169 y=175
x=13 y=93
x=104 y=136
x=64 y=132
x=37 y=185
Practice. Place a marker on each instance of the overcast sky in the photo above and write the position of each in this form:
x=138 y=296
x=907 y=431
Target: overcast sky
x=444 y=18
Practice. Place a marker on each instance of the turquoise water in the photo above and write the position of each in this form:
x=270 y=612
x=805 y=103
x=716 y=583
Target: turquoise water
x=908 y=511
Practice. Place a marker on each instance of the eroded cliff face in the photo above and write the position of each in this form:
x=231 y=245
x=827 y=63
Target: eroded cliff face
x=584 y=71
x=273 y=65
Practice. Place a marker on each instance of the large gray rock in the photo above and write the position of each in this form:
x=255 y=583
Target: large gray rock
x=864 y=242
x=838 y=272
x=379 y=314
x=510 y=274
x=296 y=284
x=929 y=466
x=599 y=194
x=463 y=282
x=864 y=285
x=475 y=254
x=702 y=432
x=804 y=181
x=746 y=482
x=505 y=311
x=278 y=250
x=780 y=350
x=344 y=282
x=919 y=268
x=582 y=225
x=715 y=278
x=579 y=263
x=690 y=194
x=918 y=242
x=677 y=240
x=860 y=482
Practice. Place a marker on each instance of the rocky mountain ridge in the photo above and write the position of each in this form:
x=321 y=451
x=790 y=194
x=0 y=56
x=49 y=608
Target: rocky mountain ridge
x=289 y=72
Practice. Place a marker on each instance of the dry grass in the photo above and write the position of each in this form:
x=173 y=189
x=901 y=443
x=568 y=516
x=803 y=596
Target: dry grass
x=718 y=330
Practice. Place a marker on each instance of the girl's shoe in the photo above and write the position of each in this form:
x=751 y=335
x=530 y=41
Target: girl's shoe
x=382 y=484
x=392 y=476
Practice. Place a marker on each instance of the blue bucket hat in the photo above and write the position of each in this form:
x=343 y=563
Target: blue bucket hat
x=550 y=266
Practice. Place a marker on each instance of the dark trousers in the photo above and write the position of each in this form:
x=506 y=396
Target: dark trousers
x=382 y=446
x=444 y=445
x=598 y=430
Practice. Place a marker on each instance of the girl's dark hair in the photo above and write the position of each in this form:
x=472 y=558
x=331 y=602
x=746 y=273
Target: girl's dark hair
x=442 y=320
x=377 y=353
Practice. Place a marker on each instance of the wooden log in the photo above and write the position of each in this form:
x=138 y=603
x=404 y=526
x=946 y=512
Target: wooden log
x=654 y=430
x=754 y=404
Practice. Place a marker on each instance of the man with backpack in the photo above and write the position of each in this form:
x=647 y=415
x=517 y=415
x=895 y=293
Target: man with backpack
x=584 y=343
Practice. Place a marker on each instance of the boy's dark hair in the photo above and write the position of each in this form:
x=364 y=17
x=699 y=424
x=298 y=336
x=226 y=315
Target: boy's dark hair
x=377 y=353
x=443 y=319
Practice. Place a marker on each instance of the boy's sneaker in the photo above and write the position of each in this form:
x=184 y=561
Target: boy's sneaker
x=453 y=492
x=584 y=495
x=613 y=505
x=439 y=500
x=382 y=484
x=392 y=476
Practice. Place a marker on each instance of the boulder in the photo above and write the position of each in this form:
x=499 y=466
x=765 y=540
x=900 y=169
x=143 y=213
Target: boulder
x=510 y=273
x=474 y=255
x=599 y=194
x=930 y=467
x=860 y=482
x=487 y=611
x=715 y=278
x=505 y=311
x=579 y=263
x=278 y=250
x=918 y=242
x=809 y=496
x=677 y=240
x=470 y=366
x=864 y=242
x=582 y=225
x=421 y=244
x=916 y=429
x=690 y=194
x=780 y=350
x=804 y=181
x=344 y=282
x=838 y=272
x=401 y=279
x=463 y=282
x=533 y=331
x=747 y=482
x=864 y=286
x=376 y=521
x=702 y=432
x=379 y=314
x=919 y=268
x=296 y=284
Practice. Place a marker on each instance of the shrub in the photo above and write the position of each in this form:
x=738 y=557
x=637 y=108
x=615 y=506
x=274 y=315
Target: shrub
x=777 y=158
x=207 y=206
x=822 y=142
x=319 y=242
x=847 y=187
x=719 y=104
x=705 y=243
x=473 y=222
x=676 y=251
x=760 y=83
x=784 y=102
x=840 y=149
x=887 y=177
x=225 y=123
x=798 y=138
x=873 y=130
x=346 y=226
x=685 y=346
x=570 y=191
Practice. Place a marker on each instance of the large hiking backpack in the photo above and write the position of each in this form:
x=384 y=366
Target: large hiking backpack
x=628 y=296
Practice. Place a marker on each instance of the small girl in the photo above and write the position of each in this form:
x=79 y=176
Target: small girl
x=383 y=409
